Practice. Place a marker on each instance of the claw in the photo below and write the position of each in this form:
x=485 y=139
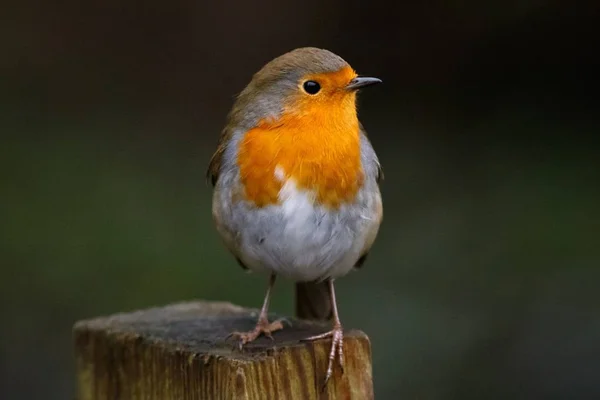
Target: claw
x=337 y=347
x=262 y=327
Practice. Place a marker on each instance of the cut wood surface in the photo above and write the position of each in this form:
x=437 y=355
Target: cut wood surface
x=181 y=351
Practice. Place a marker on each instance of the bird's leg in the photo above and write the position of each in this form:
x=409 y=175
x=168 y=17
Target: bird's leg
x=337 y=338
x=262 y=325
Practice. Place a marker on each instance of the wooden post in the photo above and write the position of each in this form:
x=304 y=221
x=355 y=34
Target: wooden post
x=181 y=352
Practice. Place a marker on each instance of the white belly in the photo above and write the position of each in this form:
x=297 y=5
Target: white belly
x=298 y=238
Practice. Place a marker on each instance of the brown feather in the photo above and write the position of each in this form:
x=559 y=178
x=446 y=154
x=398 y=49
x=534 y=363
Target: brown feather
x=214 y=166
x=313 y=301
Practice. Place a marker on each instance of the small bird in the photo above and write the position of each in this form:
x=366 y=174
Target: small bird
x=296 y=181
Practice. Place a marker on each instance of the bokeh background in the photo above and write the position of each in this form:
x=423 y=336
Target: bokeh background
x=484 y=280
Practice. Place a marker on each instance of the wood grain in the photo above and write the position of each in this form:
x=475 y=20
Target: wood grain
x=180 y=351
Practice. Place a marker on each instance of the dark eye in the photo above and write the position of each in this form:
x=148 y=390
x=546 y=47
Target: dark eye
x=312 y=87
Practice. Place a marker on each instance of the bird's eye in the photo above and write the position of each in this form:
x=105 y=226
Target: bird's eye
x=311 y=87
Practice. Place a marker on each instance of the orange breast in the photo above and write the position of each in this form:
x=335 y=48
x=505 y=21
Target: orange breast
x=319 y=149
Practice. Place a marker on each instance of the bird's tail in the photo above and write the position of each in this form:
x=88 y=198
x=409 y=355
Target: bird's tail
x=313 y=301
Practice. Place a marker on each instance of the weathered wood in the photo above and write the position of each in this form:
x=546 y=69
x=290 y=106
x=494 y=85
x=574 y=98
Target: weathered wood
x=181 y=352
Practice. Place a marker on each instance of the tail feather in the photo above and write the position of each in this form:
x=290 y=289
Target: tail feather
x=313 y=301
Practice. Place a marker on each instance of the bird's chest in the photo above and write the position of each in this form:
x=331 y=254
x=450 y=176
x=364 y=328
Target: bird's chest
x=280 y=166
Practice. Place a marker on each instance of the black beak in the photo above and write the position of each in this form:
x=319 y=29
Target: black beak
x=362 y=82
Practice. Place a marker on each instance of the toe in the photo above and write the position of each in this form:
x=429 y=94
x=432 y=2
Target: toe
x=317 y=337
x=244 y=338
x=341 y=360
x=262 y=327
x=275 y=326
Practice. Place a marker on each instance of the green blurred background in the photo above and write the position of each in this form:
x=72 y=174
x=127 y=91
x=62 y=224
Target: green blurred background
x=484 y=280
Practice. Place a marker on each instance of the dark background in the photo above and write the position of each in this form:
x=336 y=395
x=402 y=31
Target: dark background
x=484 y=280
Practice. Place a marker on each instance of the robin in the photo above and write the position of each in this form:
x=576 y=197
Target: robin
x=296 y=181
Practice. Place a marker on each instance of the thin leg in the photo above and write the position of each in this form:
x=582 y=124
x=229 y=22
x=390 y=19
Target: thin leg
x=337 y=336
x=262 y=325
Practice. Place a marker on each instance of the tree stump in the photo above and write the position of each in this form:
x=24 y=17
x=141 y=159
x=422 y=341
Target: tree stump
x=181 y=351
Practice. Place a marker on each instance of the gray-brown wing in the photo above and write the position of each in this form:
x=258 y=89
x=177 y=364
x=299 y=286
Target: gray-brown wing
x=214 y=166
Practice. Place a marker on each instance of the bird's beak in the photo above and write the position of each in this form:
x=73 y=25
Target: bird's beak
x=361 y=82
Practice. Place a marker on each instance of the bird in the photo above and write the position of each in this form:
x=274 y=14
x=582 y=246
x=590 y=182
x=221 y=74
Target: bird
x=296 y=183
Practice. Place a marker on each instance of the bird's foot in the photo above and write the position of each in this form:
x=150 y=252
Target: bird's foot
x=337 y=348
x=263 y=326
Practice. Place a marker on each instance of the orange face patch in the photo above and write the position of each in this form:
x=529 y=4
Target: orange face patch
x=316 y=142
